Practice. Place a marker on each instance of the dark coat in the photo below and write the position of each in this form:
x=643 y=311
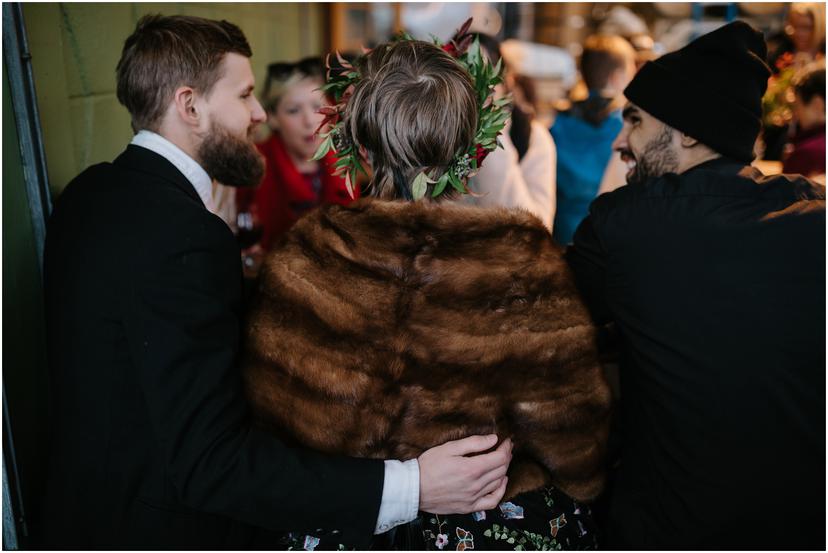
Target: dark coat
x=716 y=281
x=385 y=328
x=152 y=438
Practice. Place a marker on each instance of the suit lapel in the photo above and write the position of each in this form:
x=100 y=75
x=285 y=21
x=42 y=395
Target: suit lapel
x=137 y=158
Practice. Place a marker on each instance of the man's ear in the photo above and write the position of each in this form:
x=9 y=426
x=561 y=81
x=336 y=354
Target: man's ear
x=185 y=105
x=688 y=141
x=819 y=105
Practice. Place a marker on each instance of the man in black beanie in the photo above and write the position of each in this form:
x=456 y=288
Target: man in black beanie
x=715 y=279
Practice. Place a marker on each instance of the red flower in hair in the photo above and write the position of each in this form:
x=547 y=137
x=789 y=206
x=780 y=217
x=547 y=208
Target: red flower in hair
x=480 y=154
x=460 y=42
x=449 y=48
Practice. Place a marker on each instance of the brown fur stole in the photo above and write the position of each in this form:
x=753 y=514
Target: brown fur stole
x=384 y=328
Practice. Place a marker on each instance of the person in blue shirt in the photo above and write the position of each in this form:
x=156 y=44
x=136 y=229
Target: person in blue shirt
x=584 y=133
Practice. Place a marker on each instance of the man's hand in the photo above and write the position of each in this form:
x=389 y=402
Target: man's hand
x=450 y=482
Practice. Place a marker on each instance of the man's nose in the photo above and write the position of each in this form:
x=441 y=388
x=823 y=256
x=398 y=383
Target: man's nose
x=257 y=115
x=620 y=142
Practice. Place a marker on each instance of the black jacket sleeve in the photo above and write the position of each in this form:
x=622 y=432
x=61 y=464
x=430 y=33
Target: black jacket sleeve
x=588 y=259
x=183 y=332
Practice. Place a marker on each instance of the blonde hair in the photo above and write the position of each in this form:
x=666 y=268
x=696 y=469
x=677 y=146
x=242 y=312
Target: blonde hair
x=415 y=109
x=816 y=11
x=283 y=75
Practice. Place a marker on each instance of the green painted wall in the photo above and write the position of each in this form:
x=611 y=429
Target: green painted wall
x=75 y=48
x=24 y=340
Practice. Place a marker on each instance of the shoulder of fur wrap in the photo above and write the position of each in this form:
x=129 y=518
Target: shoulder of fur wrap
x=384 y=328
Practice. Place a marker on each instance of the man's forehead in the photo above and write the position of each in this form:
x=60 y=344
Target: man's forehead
x=236 y=69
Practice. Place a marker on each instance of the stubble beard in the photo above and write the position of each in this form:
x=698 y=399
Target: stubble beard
x=230 y=160
x=658 y=158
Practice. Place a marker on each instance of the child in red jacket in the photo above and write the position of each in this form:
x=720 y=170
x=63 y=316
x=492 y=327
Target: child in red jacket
x=293 y=184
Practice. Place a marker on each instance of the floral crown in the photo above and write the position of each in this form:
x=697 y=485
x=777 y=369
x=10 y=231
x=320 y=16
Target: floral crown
x=492 y=116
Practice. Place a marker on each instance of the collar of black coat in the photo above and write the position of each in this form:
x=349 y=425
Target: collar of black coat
x=706 y=178
x=720 y=164
x=142 y=160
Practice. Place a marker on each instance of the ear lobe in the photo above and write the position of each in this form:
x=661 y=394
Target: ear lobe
x=820 y=103
x=688 y=141
x=185 y=104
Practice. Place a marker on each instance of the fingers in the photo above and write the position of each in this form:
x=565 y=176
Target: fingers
x=499 y=458
x=505 y=446
x=489 y=487
x=472 y=444
x=491 y=480
x=491 y=500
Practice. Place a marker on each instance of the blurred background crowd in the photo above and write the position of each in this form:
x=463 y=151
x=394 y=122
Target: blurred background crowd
x=566 y=65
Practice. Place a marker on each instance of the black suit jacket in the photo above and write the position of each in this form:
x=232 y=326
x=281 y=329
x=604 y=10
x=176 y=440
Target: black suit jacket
x=152 y=439
x=716 y=281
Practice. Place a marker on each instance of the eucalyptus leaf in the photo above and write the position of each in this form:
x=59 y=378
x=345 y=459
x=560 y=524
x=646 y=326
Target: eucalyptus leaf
x=455 y=182
x=323 y=148
x=474 y=51
x=505 y=101
x=440 y=186
x=497 y=67
x=420 y=185
x=349 y=179
x=359 y=165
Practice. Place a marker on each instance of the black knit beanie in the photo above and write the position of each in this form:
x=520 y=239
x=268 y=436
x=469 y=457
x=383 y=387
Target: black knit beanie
x=711 y=89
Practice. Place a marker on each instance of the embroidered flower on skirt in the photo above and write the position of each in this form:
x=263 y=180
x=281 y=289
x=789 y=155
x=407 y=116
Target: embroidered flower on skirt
x=310 y=543
x=511 y=511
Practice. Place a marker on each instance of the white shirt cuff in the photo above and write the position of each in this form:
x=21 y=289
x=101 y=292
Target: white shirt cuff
x=400 y=495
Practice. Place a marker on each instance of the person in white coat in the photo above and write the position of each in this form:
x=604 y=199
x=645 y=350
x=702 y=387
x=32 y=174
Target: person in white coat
x=521 y=173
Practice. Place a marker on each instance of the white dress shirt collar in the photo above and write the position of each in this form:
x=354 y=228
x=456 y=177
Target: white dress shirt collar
x=194 y=173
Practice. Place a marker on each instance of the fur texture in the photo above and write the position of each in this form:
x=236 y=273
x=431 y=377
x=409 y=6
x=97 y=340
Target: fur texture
x=384 y=328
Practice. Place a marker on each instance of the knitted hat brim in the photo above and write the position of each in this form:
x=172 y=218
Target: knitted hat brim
x=699 y=112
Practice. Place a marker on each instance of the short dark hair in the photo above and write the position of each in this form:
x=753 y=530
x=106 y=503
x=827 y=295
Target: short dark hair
x=604 y=54
x=414 y=110
x=165 y=52
x=810 y=81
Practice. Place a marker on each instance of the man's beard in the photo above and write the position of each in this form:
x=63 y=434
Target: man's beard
x=658 y=158
x=230 y=160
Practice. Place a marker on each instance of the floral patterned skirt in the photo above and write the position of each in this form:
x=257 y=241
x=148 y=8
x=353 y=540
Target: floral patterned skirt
x=540 y=520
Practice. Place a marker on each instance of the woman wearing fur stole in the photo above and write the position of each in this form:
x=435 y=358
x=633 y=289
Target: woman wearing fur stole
x=405 y=320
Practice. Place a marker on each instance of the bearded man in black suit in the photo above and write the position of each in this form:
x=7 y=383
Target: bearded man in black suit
x=152 y=440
